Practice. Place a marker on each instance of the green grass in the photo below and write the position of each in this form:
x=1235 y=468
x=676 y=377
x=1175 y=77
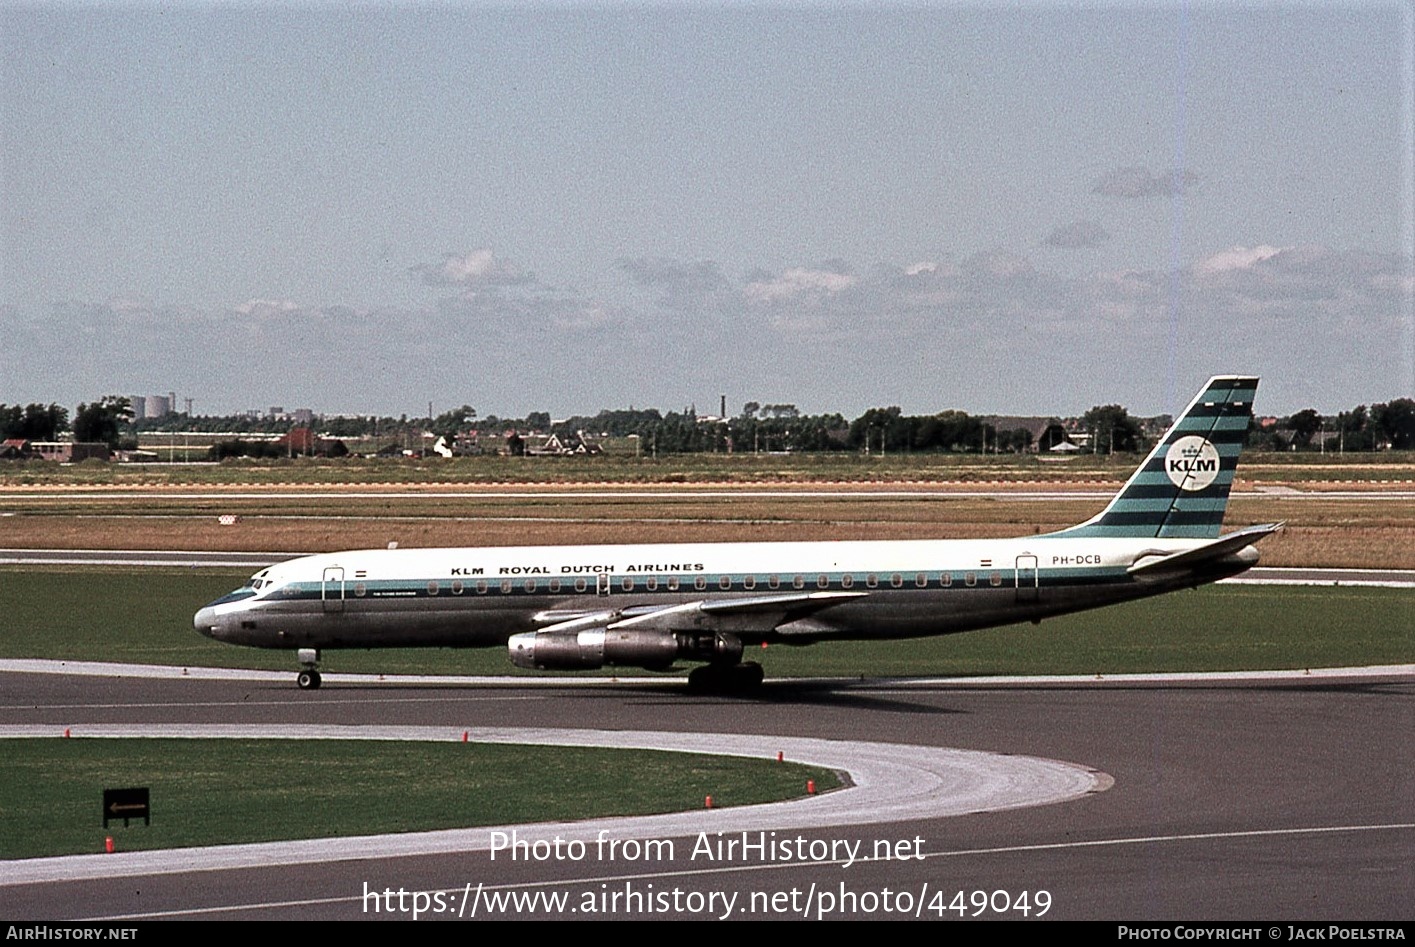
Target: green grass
x=1216 y=628
x=203 y=792
x=144 y=617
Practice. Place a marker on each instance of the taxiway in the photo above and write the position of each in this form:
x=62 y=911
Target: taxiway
x=1291 y=798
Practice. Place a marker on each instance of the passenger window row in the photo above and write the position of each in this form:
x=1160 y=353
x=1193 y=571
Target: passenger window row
x=726 y=583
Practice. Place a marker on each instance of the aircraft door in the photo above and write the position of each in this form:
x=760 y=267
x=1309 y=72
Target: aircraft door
x=1026 y=576
x=332 y=591
x=602 y=583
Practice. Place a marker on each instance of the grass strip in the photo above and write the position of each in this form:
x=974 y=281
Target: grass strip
x=144 y=617
x=210 y=792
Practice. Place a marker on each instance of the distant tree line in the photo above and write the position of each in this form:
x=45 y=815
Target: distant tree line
x=759 y=427
x=101 y=421
x=104 y=421
x=1113 y=430
x=33 y=422
x=1389 y=425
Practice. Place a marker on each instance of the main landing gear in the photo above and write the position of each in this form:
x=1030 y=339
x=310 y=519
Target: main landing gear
x=308 y=678
x=741 y=678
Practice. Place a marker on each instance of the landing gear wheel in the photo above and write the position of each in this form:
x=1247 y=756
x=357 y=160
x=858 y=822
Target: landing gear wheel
x=309 y=662
x=726 y=679
x=750 y=675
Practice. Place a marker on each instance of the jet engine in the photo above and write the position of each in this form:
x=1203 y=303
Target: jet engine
x=598 y=647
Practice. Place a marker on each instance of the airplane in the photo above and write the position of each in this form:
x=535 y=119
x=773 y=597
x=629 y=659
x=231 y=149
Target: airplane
x=652 y=606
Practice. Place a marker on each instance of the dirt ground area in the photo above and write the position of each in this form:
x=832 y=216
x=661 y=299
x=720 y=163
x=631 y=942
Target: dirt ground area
x=1372 y=527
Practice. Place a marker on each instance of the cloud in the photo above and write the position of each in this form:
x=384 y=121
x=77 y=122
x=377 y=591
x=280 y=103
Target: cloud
x=1078 y=235
x=662 y=271
x=1236 y=258
x=996 y=289
x=520 y=315
x=999 y=264
x=477 y=269
x=262 y=309
x=499 y=297
x=128 y=312
x=586 y=316
x=1135 y=182
x=1006 y=295
x=1311 y=283
x=800 y=283
x=680 y=284
x=131 y=304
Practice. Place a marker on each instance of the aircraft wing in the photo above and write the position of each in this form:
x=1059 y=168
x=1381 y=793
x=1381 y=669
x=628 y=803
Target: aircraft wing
x=705 y=629
x=1223 y=546
x=760 y=613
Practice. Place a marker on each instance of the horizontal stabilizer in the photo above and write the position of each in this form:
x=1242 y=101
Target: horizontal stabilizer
x=1223 y=546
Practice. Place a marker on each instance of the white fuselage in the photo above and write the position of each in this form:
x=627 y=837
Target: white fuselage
x=476 y=597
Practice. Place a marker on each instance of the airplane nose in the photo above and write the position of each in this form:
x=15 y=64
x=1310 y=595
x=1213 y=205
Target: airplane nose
x=205 y=621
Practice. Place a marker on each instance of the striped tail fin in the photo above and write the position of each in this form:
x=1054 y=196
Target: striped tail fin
x=1181 y=490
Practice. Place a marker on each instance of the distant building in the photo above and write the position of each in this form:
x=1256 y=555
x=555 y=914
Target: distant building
x=304 y=441
x=1045 y=433
x=156 y=406
x=300 y=440
x=66 y=452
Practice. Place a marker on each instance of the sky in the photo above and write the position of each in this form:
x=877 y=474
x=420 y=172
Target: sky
x=1018 y=208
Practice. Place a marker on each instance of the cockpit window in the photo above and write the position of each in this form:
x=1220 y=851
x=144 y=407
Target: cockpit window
x=245 y=591
x=255 y=585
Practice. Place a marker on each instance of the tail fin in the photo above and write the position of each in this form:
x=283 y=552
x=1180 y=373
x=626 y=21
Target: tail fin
x=1181 y=490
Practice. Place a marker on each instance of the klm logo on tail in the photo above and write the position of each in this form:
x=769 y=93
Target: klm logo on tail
x=1192 y=463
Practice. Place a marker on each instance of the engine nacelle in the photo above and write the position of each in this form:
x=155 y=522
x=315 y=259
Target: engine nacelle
x=598 y=647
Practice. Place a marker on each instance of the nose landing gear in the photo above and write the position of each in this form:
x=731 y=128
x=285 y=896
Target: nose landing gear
x=308 y=678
